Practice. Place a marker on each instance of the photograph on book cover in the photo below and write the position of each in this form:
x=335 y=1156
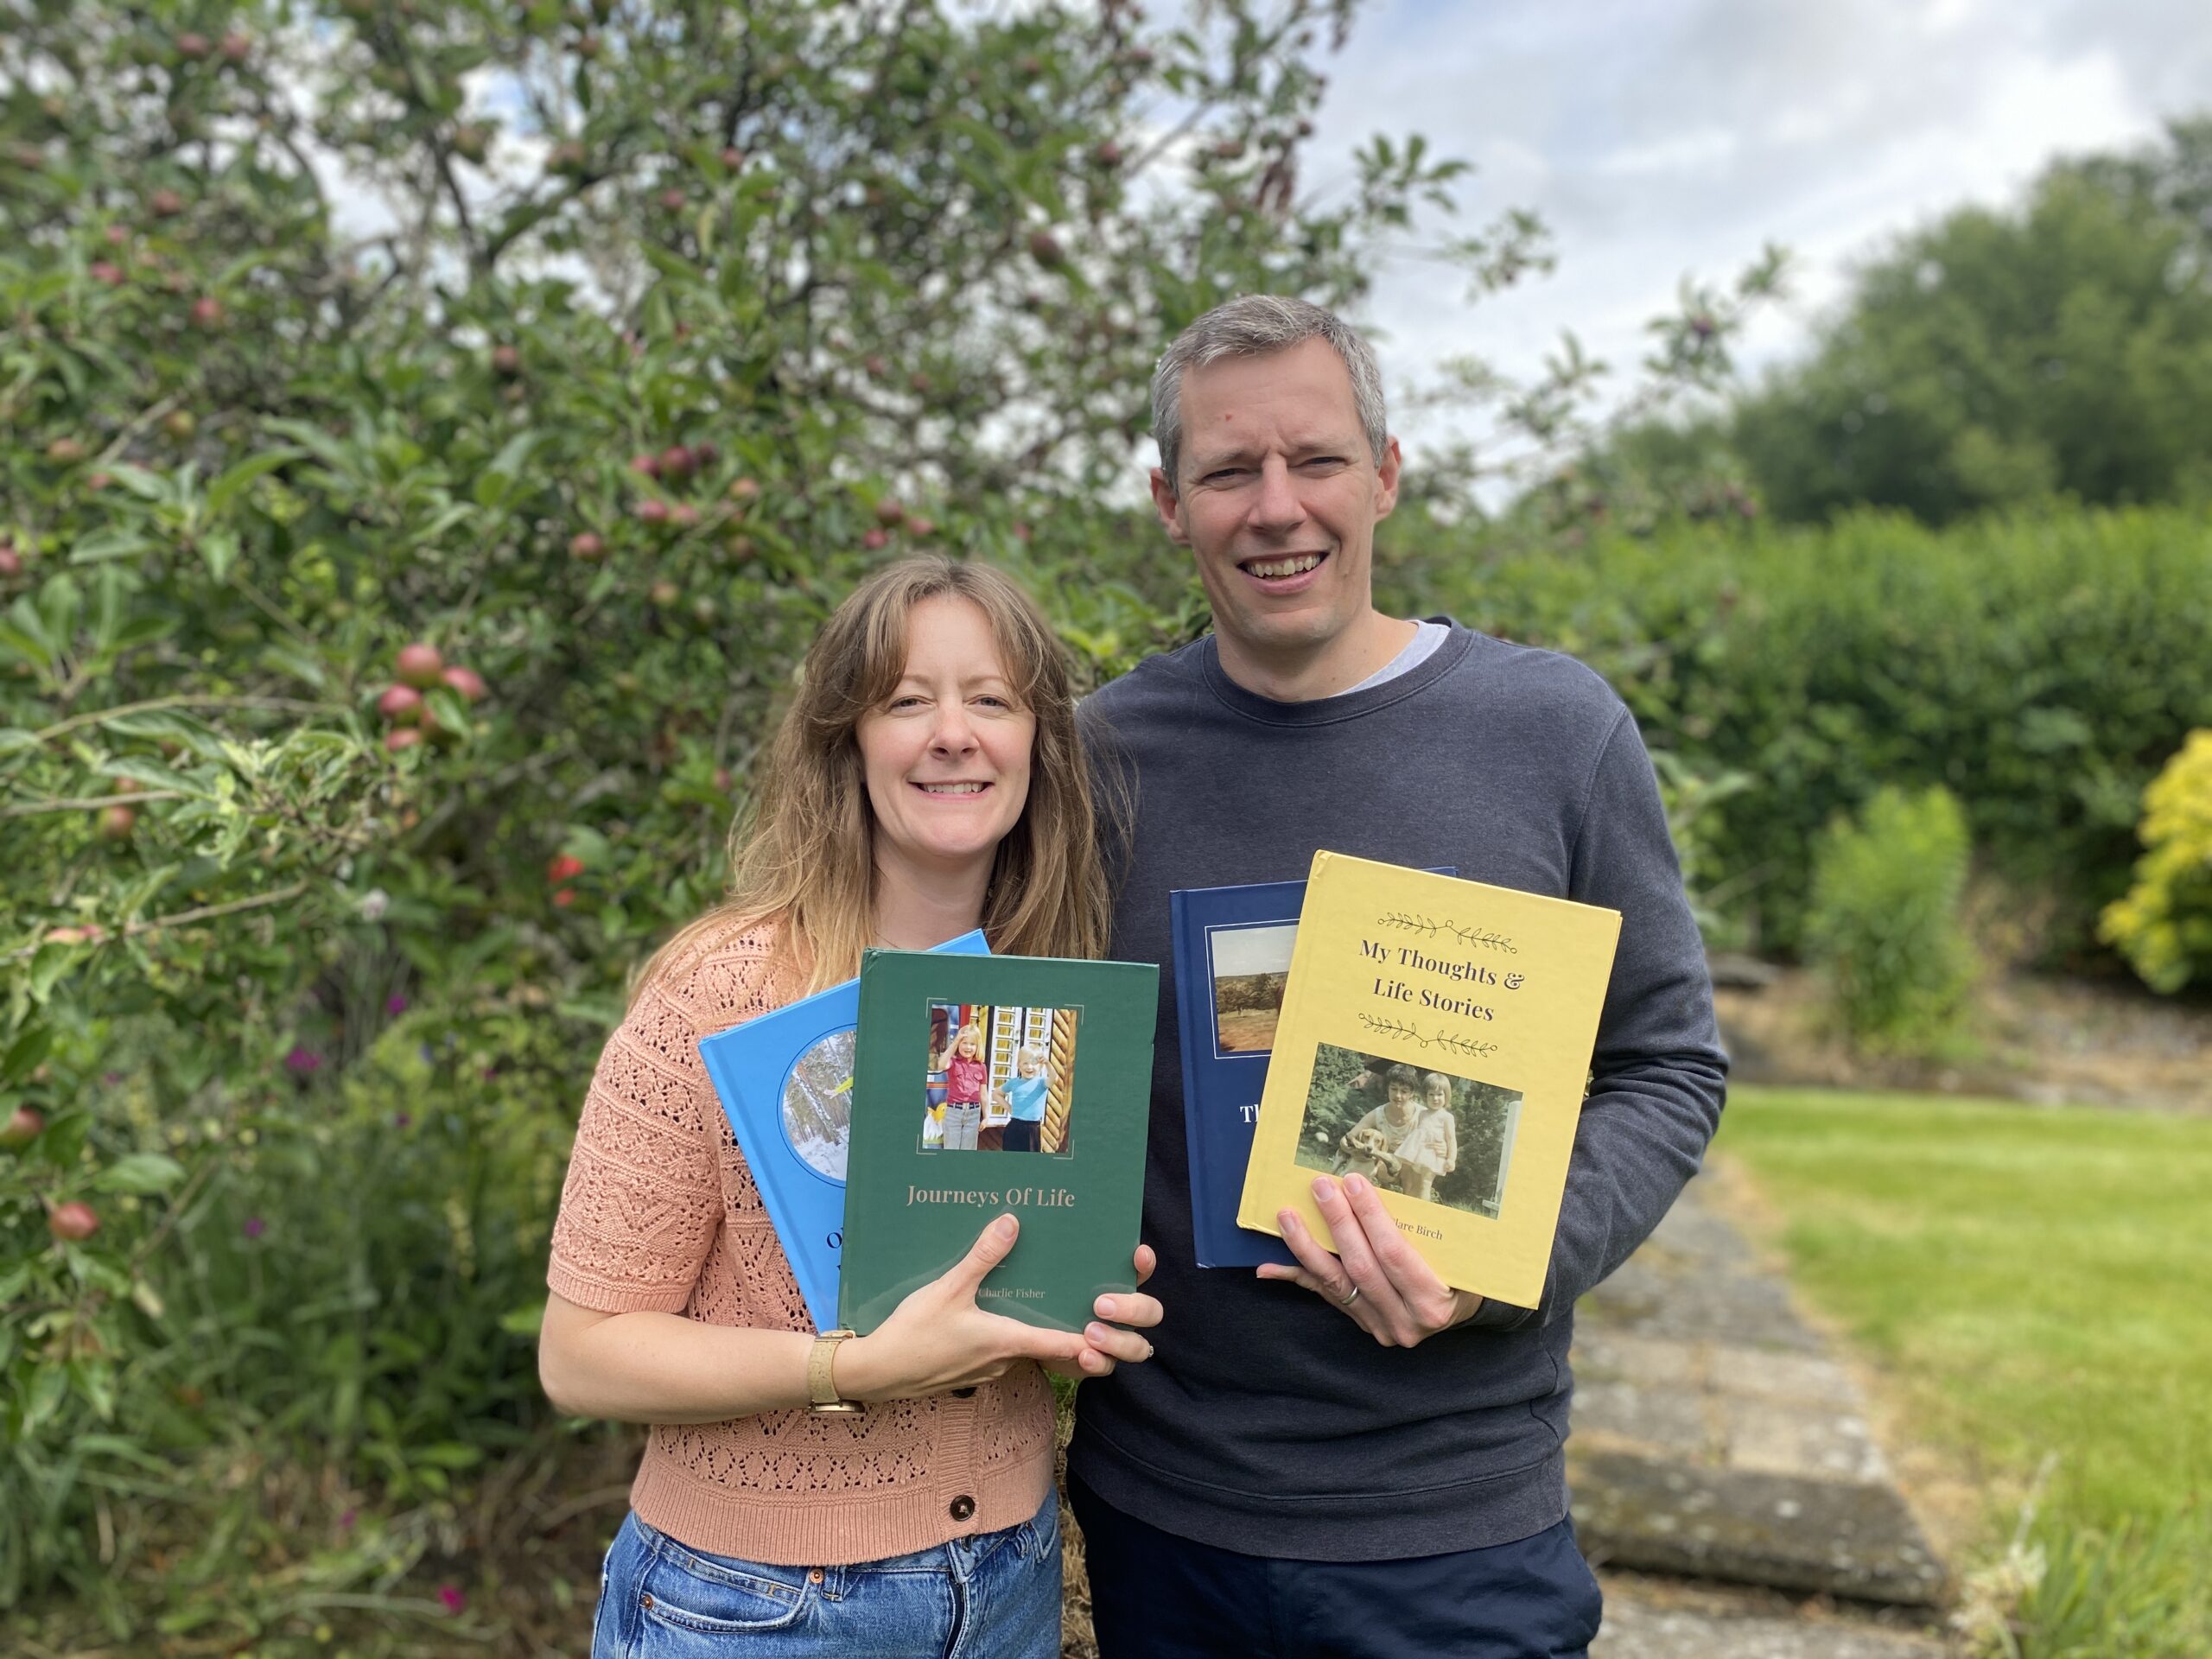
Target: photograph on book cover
x=818 y=1103
x=1251 y=965
x=1000 y=1079
x=1440 y=1136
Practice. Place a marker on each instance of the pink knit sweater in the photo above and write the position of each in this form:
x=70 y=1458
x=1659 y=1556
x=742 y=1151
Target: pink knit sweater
x=660 y=1211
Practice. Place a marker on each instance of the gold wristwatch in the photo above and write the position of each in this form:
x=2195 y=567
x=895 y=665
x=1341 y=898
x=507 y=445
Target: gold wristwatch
x=821 y=1388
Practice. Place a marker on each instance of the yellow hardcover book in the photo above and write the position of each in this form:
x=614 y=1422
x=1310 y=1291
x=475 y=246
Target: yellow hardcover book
x=1435 y=1037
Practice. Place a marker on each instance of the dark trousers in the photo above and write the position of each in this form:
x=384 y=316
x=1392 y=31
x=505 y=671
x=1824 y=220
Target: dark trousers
x=1156 y=1595
x=1022 y=1136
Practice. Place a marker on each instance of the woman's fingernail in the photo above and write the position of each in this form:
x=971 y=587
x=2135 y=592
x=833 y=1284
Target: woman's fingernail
x=1108 y=1308
x=1323 y=1188
x=1354 y=1185
x=1004 y=1226
x=1287 y=1220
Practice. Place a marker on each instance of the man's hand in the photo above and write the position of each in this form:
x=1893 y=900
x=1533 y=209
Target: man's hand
x=1107 y=1345
x=1375 y=1276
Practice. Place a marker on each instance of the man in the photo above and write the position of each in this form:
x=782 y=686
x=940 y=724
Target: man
x=1345 y=1456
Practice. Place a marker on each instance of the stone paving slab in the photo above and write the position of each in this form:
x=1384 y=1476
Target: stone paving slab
x=1716 y=1437
x=1639 y=1629
x=1839 y=1537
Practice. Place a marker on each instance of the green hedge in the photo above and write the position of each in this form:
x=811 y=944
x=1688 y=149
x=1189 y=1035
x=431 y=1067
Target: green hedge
x=2041 y=667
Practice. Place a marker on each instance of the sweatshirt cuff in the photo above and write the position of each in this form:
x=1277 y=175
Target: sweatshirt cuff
x=1494 y=1315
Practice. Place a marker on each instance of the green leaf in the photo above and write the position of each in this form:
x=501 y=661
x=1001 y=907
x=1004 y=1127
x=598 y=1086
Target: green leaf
x=525 y=1321
x=447 y=709
x=220 y=549
x=154 y=775
x=142 y=1173
x=23 y=1054
x=116 y=542
x=228 y=486
x=149 y=487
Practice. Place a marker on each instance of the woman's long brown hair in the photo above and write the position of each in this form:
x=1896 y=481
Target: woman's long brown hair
x=803 y=858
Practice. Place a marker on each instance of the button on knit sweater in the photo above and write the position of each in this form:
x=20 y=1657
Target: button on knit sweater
x=660 y=1211
x=1268 y=1422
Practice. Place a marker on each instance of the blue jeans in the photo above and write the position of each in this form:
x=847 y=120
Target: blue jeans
x=994 y=1596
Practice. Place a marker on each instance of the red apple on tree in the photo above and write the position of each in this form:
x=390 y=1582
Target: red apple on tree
x=562 y=867
x=889 y=510
x=165 y=203
x=876 y=540
x=419 y=666
x=207 y=312
x=468 y=682
x=401 y=704
x=587 y=547
x=116 y=823
x=401 y=737
x=22 y=1128
x=652 y=511
x=648 y=465
x=506 y=360
x=744 y=491
x=102 y=271
x=192 y=46
x=75 y=1221
x=677 y=462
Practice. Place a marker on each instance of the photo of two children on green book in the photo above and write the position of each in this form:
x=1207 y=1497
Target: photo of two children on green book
x=999 y=1079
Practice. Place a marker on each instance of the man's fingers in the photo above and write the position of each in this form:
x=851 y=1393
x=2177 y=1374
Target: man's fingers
x=1359 y=1248
x=1399 y=1262
x=1130 y=1308
x=1147 y=1259
x=1116 y=1344
x=1322 y=1268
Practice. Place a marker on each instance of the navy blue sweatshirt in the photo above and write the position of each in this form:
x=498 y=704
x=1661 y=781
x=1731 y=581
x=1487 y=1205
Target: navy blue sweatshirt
x=1268 y=1422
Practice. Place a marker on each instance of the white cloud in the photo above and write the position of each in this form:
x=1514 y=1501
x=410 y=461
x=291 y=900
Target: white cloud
x=1666 y=139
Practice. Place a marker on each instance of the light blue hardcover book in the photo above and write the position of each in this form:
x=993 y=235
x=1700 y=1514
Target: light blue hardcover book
x=786 y=1082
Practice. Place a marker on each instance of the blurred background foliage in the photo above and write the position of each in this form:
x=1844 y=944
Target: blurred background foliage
x=428 y=436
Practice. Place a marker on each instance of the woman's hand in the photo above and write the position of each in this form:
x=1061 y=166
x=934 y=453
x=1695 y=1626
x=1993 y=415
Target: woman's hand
x=937 y=1338
x=1104 y=1346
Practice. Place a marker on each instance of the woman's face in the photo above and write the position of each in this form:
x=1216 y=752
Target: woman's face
x=946 y=757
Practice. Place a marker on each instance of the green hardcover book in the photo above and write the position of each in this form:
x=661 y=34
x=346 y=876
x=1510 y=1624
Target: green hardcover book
x=993 y=1084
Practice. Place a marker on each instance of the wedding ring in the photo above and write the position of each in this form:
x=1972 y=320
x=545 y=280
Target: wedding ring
x=1348 y=1300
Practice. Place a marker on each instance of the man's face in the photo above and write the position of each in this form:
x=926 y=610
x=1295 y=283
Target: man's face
x=1278 y=498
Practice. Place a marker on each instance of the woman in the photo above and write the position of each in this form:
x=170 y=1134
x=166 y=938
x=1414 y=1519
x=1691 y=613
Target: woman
x=926 y=781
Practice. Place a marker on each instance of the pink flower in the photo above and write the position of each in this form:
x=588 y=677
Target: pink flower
x=302 y=1060
x=450 y=1597
x=401 y=1120
x=255 y=1226
x=395 y=1004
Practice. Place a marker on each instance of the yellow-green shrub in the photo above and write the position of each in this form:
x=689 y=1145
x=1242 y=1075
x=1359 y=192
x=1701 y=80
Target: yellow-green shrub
x=2164 y=926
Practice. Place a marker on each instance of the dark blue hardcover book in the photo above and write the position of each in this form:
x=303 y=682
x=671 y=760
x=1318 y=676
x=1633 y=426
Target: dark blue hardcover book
x=1232 y=959
x=1232 y=962
x=786 y=1082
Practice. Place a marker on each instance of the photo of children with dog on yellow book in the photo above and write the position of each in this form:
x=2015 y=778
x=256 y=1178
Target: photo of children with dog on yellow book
x=1435 y=1037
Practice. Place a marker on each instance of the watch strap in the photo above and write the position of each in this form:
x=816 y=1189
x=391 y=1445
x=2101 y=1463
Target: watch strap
x=821 y=1386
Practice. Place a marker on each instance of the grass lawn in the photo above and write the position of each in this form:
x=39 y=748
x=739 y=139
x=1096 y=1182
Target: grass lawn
x=2035 y=1282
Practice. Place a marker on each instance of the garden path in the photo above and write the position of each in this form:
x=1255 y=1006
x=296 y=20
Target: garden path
x=1724 y=1479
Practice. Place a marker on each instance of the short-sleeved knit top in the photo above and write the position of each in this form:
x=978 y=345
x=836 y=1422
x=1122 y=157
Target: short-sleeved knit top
x=660 y=1212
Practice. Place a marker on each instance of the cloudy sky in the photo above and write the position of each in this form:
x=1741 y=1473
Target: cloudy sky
x=1665 y=138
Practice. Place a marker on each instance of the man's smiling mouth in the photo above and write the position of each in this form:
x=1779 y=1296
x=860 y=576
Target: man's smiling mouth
x=1287 y=564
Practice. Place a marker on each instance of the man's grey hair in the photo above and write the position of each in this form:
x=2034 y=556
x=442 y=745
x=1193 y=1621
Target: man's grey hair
x=1257 y=325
